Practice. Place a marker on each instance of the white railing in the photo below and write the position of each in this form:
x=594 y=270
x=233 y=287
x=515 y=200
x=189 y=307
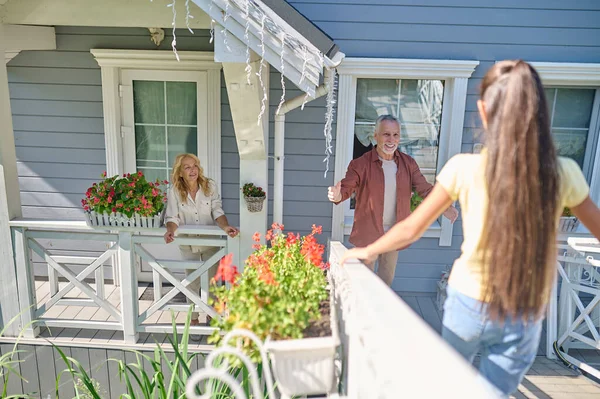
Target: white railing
x=388 y=351
x=577 y=314
x=124 y=246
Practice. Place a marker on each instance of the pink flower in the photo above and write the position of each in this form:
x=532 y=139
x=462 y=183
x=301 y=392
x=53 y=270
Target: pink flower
x=104 y=174
x=256 y=237
x=140 y=174
x=154 y=192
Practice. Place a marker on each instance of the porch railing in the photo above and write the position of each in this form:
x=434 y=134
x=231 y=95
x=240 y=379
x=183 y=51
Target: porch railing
x=124 y=246
x=388 y=351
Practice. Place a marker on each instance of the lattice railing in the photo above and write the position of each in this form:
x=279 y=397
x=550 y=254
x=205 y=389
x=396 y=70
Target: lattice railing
x=86 y=288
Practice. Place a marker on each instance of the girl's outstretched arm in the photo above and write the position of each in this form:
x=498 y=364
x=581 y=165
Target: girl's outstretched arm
x=589 y=214
x=407 y=231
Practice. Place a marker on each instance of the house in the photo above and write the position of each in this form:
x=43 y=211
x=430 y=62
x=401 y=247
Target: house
x=78 y=78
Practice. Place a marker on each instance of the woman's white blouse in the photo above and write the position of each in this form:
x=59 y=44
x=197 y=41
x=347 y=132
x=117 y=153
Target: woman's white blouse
x=202 y=210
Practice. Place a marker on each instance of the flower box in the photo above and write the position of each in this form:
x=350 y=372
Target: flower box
x=306 y=366
x=118 y=219
x=568 y=224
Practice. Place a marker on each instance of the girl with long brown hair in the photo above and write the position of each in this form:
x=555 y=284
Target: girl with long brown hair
x=511 y=197
x=193 y=199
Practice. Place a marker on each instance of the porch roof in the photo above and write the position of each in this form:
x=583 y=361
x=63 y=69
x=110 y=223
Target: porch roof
x=278 y=32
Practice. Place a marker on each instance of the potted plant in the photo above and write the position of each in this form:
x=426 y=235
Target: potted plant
x=129 y=201
x=568 y=222
x=254 y=197
x=283 y=296
x=415 y=201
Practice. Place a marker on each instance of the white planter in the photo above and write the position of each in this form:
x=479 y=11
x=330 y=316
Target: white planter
x=568 y=224
x=120 y=220
x=306 y=366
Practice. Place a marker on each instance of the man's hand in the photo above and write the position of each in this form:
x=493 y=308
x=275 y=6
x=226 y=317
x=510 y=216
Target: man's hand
x=231 y=231
x=334 y=193
x=362 y=254
x=451 y=214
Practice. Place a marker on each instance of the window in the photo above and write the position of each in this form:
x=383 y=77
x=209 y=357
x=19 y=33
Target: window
x=573 y=91
x=164 y=111
x=428 y=98
x=417 y=104
x=571 y=111
x=156 y=107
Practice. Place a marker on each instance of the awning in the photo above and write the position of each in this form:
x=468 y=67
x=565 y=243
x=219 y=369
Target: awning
x=270 y=27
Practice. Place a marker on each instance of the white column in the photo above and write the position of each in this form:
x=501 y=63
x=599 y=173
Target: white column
x=344 y=138
x=129 y=289
x=112 y=121
x=10 y=202
x=452 y=140
x=245 y=101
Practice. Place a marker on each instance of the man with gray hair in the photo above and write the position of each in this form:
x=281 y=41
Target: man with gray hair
x=383 y=180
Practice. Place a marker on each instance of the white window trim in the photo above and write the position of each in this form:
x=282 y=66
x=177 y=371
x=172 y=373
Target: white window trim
x=576 y=74
x=112 y=62
x=455 y=74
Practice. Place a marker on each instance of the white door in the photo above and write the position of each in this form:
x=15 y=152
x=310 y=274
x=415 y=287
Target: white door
x=164 y=113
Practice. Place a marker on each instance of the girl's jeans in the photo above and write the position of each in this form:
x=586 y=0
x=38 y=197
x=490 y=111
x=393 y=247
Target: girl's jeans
x=507 y=348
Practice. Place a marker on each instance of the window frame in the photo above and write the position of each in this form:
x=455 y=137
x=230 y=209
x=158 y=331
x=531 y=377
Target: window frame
x=128 y=76
x=578 y=75
x=455 y=75
x=113 y=64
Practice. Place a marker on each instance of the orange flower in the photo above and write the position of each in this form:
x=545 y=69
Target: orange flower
x=256 y=237
x=227 y=271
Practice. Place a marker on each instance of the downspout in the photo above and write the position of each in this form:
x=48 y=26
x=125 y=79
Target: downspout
x=278 y=151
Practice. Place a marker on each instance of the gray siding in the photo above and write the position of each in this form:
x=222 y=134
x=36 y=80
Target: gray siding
x=56 y=99
x=484 y=30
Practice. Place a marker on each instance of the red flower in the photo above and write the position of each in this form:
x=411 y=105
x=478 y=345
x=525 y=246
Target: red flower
x=96 y=200
x=292 y=239
x=104 y=174
x=109 y=200
x=227 y=271
x=140 y=174
x=317 y=229
x=277 y=226
x=312 y=250
x=256 y=237
x=324 y=266
x=114 y=210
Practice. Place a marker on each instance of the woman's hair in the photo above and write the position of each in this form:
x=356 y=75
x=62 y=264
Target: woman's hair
x=523 y=182
x=177 y=178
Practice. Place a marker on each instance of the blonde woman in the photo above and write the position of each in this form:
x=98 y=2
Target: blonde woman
x=194 y=200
